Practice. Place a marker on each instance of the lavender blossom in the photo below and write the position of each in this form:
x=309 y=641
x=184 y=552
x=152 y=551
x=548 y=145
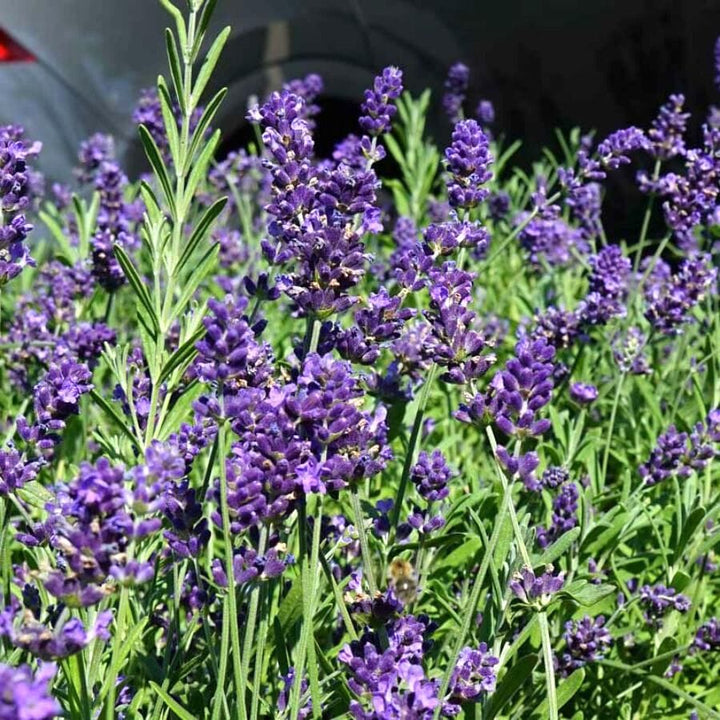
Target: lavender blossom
x=378 y=107
x=453 y=343
x=666 y=135
x=583 y=393
x=669 y=302
x=537 y=591
x=467 y=161
x=564 y=516
x=707 y=637
x=431 y=476
x=94 y=151
x=26 y=694
x=14 y=200
x=473 y=675
x=587 y=641
x=456 y=85
x=485 y=112
x=659 y=600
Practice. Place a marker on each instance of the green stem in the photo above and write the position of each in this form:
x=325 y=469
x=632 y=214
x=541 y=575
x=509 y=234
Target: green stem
x=222 y=670
x=413 y=446
x=260 y=653
x=312 y=336
x=469 y=615
x=606 y=454
x=117 y=645
x=310 y=575
x=646 y=220
x=549 y=666
x=252 y=611
x=230 y=599
x=362 y=537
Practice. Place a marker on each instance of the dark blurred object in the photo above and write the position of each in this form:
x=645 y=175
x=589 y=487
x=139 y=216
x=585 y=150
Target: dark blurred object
x=559 y=63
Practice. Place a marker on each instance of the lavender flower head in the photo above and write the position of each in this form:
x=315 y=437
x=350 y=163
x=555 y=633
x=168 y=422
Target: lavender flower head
x=666 y=135
x=467 y=161
x=587 y=641
x=536 y=591
x=473 y=675
x=378 y=107
x=14 y=199
x=93 y=152
x=485 y=112
x=707 y=637
x=431 y=476
x=659 y=600
x=456 y=85
x=25 y=695
x=669 y=301
x=583 y=393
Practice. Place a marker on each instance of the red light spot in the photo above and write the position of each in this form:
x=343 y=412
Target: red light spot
x=13 y=51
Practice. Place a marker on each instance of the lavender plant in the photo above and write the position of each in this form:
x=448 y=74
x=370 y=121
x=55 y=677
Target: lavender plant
x=286 y=437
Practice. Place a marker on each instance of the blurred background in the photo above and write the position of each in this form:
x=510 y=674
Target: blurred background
x=69 y=68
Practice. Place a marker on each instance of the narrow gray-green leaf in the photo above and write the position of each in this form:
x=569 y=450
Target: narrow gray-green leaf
x=182 y=356
x=173 y=704
x=558 y=548
x=176 y=72
x=179 y=20
x=206 y=263
x=565 y=692
x=202 y=25
x=56 y=231
x=586 y=594
x=208 y=66
x=169 y=121
x=204 y=123
x=158 y=166
x=200 y=169
x=112 y=413
x=690 y=526
x=135 y=282
x=199 y=233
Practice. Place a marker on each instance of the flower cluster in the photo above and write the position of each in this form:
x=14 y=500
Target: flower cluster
x=679 y=453
x=14 y=200
x=659 y=600
x=25 y=694
x=392 y=682
x=586 y=641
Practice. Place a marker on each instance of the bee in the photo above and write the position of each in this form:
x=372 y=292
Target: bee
x=403 y=580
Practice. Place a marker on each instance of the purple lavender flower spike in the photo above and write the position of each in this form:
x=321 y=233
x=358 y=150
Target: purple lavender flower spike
x=583 y=393
x=456 y=85
x=378 y=107
x=586 y=640
x=15 y=194
x=707 y=637
x=669 y=302
x=537 y=591
x=564 y=516
x=308 y=88
x=431 y=476
x=474 y=674
x=485 y=112
x=613 y=150
x=667 y=132
x=467 y=161
x=26 y=694
x=659 y=600
x=94 y=151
